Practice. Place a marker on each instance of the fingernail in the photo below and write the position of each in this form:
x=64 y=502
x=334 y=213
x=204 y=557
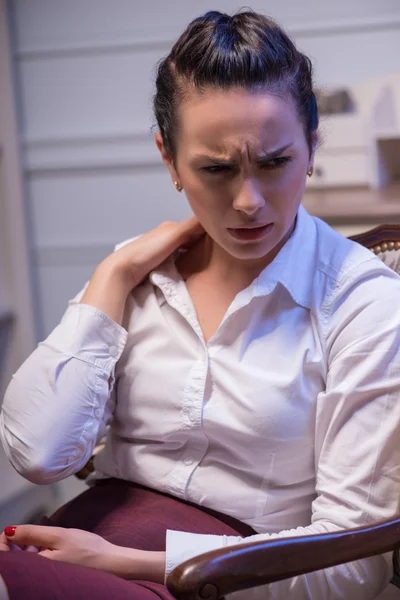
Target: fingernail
x=10 y=531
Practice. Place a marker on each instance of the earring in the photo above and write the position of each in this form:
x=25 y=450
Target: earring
x=178 y=187
x=310 y=171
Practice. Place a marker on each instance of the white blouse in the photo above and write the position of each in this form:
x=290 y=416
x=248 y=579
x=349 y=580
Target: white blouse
x=287 y=419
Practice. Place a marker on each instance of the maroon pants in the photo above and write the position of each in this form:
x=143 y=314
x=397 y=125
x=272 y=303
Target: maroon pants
x=124 y=513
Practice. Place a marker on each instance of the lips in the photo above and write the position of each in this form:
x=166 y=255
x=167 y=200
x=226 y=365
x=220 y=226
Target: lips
x=252 y=226
x=250 y=233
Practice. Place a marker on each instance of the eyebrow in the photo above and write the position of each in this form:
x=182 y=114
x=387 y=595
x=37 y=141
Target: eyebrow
x=274 y=154
x=259 y=160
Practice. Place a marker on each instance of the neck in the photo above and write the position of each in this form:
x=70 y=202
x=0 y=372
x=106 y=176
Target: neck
x=207 y=256
x=227 y=267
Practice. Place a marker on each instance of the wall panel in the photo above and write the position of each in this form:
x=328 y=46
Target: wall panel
x=85 y=71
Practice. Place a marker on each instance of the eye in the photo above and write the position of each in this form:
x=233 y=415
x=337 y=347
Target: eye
x=276 y=163
x=216 y=169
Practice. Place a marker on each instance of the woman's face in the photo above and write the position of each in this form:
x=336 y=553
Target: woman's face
x=242 y=159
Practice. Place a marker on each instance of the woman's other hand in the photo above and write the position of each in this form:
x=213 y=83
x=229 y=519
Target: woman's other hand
x=5 y=545
x=57 y=543
x=86 y=549
x=123 y=270
x=145 y=253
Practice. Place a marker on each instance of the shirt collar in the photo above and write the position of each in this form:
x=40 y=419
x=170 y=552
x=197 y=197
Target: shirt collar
x=294 y=266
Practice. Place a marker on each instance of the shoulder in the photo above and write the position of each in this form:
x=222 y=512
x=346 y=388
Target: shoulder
x=345 y=278
x=360 y=291
x=339 y=256
x=343 y=264
x=321 y=265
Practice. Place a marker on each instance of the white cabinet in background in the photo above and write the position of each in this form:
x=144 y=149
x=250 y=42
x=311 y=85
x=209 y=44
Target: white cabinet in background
x=362 y=147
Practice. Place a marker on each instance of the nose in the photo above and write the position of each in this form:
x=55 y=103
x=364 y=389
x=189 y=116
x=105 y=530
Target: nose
x=248 y=199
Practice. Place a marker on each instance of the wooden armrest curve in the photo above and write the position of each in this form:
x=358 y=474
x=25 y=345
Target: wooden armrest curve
x=212 y=575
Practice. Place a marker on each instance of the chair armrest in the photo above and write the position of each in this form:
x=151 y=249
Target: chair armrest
x=214 y=574
x=88 y=468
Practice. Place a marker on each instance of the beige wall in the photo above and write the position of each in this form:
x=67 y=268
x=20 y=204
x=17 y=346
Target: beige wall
x=15 y=289
x=85 y=75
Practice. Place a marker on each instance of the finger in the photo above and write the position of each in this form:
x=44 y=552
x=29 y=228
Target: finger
x=33 y=549
x=192 y=226
x=191 y=234
x=34 y=535
x=4 y=544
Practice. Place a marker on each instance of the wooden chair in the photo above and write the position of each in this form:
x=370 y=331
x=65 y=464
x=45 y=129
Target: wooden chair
x=212 y=575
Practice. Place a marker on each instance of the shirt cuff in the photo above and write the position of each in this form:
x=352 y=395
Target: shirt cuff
x=88 y=334
x=181 y=546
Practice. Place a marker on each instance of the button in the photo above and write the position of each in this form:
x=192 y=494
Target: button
x=113 y=350
x=188 y=461
x=193 y=414
x=98 y=413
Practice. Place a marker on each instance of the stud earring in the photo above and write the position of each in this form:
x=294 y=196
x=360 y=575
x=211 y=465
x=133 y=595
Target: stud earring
x=178 y=187
x=310 y=171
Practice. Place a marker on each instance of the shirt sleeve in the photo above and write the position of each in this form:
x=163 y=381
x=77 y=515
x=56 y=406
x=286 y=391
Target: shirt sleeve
x=357 y=450
x=60 y=400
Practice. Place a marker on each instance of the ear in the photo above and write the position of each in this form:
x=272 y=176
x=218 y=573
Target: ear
x=314 y=143
x=166 y=158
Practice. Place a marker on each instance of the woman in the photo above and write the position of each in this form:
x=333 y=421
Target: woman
x=246 y=360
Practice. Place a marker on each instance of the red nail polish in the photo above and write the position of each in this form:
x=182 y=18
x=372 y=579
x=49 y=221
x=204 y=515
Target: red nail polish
x=10 y=531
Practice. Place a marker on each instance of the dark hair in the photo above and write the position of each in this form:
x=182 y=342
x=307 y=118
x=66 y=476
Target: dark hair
x=247 y=50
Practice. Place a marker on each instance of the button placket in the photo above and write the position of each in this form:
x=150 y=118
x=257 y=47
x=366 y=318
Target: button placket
x=113 y=350
x=191 y=420
x=181 y=474
x=193 y=395
x=170 y=291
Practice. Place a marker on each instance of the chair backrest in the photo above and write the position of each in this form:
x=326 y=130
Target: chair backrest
x=384 y=241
